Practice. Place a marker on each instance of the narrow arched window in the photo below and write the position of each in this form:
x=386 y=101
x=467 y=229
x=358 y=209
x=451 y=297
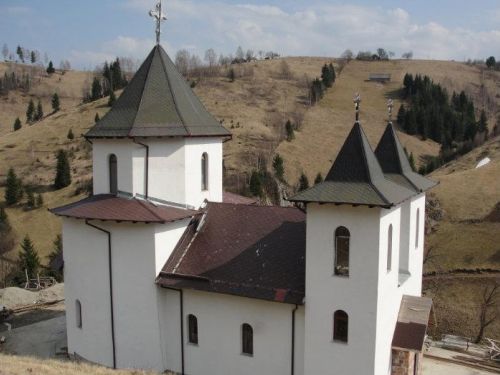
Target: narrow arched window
x=341 y=261
x=204 y=171
x=417 y=228
x=340 y=326
x=247 y=339
x=389 y=248
x=78 y=313
x=113 y=174
x=193 y=329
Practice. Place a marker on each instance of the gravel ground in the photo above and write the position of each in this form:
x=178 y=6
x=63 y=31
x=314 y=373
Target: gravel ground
x=16 y=297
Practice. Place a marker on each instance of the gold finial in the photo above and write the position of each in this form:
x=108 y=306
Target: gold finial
x=357 y=101
x=390 y=106
x=159 y=16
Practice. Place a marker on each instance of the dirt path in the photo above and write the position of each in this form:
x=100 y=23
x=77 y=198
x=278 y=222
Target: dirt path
x=463 y=275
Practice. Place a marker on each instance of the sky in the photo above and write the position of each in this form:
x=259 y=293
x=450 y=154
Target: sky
x=91 y=31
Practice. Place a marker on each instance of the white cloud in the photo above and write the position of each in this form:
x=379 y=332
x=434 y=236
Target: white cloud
x=320 y=28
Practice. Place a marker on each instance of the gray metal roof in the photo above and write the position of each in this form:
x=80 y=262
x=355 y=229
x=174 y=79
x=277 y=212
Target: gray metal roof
x=158 y=102
x=356 y=178
x=395 y=165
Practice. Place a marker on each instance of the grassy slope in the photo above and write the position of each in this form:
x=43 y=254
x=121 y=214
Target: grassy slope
x=15 y=365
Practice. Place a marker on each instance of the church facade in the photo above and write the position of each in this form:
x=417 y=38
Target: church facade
x=166 y=271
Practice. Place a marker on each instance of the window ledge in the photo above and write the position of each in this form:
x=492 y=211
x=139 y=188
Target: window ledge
x=246 y=354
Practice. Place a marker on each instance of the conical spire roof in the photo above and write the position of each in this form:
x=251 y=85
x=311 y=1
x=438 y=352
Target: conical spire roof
x=395 y=165
x=158 y=102
x=356 y=177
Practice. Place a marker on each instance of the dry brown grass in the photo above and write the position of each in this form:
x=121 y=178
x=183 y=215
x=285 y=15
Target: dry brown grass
x=16 y=365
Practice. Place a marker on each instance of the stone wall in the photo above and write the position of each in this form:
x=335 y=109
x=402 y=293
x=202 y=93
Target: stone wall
x=403 y=363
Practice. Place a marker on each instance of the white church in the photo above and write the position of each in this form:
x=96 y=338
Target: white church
x=166 y=271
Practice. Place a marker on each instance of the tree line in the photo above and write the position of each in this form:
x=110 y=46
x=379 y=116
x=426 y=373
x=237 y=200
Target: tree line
x=107 y=80
x=319 y=86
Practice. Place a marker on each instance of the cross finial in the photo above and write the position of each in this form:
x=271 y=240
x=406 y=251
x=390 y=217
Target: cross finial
x=390 y=105
x=357 y=100
x=159 y=16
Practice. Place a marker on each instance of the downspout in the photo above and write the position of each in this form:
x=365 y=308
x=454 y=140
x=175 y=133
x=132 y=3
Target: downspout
x=181 y=300
x=110 y=289
x=293 y=341
x=146 y=188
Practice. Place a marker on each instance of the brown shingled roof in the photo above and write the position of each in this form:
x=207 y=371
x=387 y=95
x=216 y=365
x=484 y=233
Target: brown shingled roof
x=111 y=208
x=411 y=326
x=228 y=197
x=246 y=250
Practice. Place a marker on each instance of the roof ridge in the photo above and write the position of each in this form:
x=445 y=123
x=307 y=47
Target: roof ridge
x=143 y=204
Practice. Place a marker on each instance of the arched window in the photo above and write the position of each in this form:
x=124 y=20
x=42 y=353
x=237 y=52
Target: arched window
x=204 y=171
x=417 y=228
x=247 y=339
x=113 y=174
x=389 y=248
x=193 y=329
x=340 y=326
x=78 y=313
x=341 y=262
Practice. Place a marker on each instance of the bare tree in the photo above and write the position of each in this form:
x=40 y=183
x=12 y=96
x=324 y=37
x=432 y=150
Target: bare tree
x=347 y=55
x=489 y=304
x=182 y=61
x=240 y=55
x=5 y=51
x=211 y=57
x=250 y=55
x=407 y=55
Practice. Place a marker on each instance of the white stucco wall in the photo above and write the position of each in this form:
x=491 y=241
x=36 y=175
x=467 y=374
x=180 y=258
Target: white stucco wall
x=356 y=295
x=219 y=335
x=166 y=238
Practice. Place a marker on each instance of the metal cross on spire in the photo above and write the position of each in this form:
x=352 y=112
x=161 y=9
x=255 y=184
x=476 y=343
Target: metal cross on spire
x=357 y=100
x=160 y=17
x=390 y=105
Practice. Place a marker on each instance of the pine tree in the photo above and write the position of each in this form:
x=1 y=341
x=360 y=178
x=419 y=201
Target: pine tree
x=63 y=172
x=28 y=258
x=411 y=159
x=318 y=179
x=30 y=112
x=279 y=169
x=17 y=124
x=490 y=62
x=70 y=135
x=50 y=68
x=20 y=53
x=56 y=106
x=482 y=125
x=112 y=99
x=39 y=200
x=96 y=92
x=57 y=252
x=303 y=182
x=401 y=116
x=256 y=184
x=7 y=240
x=326 y=76
x=13 y=189
x=290 y=135
x=33 y=57
x=30 y=199
x=39 y=111
x=332 y=73
x=97 y=118
x=411 y=122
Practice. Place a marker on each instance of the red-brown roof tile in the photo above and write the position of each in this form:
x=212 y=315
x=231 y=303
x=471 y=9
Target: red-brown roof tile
x=246 y=250
x=237 y=199
x=111 y=208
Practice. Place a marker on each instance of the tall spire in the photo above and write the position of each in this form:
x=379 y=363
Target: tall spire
x=357 y=101
x=159 y=16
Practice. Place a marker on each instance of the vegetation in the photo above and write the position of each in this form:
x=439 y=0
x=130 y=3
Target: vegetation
x=50 y=68
x=112 y=99
x=13 y=189
x=39 y=111
x=70 y=135
x=106 y=81
x=56 y=105
x=319 y=86
x=278 y=167
x=303 y=182
x=6 y=234
x=63 y=172
x=256 y=184
x=17 y=124
x=28 y=258
x=30 y=112
x=57 y=252
x=319 y=179
x=290 y=134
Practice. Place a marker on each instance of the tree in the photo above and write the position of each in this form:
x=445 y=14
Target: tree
x=112 y=99
x=290 y=135
x=50 y=68
x=63 y=172
x=30 y=112
x=20 y=53
x=318 y=179
x=57 y=252
x=96 y=90
x=7 y=239
x=326 y=76
x=285 y=72
x=182 y=61
x=28 y=258
x=39 y=111
x=211 y=57
x=13 y=189
x=39 y=200
x=5 y=51
x=97 y=118
x=407 y=55
x=33 y=57
x=382 y=54
x=70 y=135
x=491 y=62
x=279 y=169
x=489 y=302
x=347 y=55
x=231 y=75
x=56 y=106
x=401 y=116
x=303 y=182
x=256 y=184
x=240 y=55
x=482 y=125
x=411 y=160
x=30 y=199
x=17 y=124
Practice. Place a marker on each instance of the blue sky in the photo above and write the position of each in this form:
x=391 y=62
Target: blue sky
x=91 y=31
